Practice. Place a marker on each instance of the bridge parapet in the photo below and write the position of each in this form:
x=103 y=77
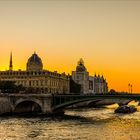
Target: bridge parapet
x=50 y=103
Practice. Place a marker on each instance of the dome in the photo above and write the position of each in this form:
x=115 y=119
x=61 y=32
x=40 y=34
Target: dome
x=80 y=67
x=34 y=63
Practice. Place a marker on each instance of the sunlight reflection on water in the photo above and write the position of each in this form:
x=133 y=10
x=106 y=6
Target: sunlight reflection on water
x=79 y=124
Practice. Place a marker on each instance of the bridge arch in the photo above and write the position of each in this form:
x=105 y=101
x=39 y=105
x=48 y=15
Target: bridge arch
x=92 y=103
x=28 y=106
x=61 y=102
x=69 y=103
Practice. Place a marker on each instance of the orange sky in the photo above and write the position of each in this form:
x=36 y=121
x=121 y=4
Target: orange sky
x=105 y=33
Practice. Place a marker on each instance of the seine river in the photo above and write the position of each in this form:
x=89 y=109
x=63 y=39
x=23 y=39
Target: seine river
x=80 y=124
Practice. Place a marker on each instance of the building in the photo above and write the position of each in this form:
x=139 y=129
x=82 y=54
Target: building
x=36 y=78
x=89 y=84
x=81 y=76
x=97 y=84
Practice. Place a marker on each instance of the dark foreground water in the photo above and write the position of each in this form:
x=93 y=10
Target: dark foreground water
x=86 y=124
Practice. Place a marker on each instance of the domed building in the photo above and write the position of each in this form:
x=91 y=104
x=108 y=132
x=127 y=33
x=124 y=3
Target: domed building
x=34 y=63
x=80 y=67
x=81 y=76
x=89 y=84
x=35 y=78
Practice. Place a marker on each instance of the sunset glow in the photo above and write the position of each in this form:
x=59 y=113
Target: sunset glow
x=106 y=34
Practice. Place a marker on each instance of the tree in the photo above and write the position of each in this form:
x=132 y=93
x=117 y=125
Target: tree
x=112 y=91
x=10 y=87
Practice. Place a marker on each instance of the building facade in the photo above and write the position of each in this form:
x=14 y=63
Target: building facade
x=89 y=84
x=36 y=77
x=97 y=84
x=81 y=76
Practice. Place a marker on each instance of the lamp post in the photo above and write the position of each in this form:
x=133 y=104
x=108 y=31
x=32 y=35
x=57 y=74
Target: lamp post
x=129 y=88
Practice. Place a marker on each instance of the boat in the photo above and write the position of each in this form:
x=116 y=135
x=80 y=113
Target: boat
x=125 y=109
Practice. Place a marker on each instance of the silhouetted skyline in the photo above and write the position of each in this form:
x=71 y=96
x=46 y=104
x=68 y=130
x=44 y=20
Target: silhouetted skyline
x=104 y=33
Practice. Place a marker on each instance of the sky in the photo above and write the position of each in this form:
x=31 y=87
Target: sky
x=105 y=33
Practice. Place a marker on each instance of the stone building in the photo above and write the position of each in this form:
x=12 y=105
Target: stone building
x=81 y=76
x=36 y=77
x=97 y=84
x=89 y=84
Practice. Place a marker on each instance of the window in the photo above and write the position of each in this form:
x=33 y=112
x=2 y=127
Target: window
x=29 y=83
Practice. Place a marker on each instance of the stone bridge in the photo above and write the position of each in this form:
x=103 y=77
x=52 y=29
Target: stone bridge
x=49 y=103
x=19 y=103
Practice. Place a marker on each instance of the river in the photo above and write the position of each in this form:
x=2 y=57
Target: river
x=79 y=124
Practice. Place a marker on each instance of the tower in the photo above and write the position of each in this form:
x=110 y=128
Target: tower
x=11 y=63
x=81 y=76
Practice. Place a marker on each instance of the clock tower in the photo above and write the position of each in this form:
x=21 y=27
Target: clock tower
x=81 y=76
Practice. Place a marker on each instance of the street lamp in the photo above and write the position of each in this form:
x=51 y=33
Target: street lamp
x=129 y=88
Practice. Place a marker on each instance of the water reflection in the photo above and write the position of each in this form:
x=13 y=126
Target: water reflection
x=79 y=124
